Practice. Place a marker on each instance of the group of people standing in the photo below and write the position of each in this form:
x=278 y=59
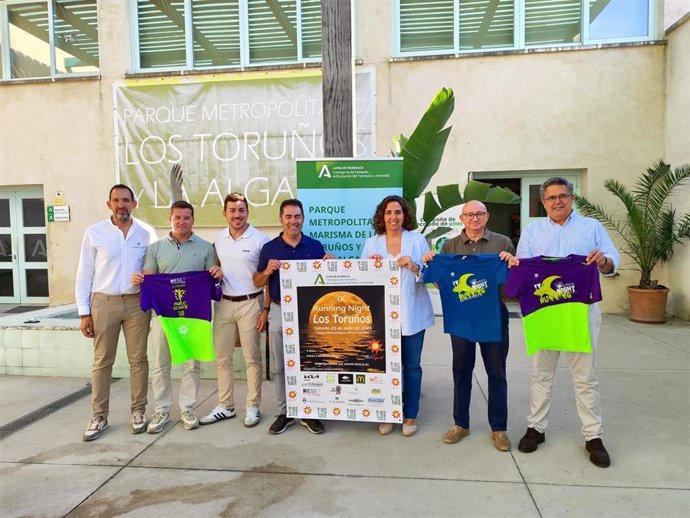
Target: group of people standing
x=120 y=251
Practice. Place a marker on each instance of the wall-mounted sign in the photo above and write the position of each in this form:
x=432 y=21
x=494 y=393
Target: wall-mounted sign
x=58 y=212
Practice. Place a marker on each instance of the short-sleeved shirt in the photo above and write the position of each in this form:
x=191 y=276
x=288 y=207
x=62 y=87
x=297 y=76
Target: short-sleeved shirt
x=470 y=294
x=277 y=248
x=168 y=255
x=182 y=301
x=489 y=243
x=238 y=259
x=555 y=294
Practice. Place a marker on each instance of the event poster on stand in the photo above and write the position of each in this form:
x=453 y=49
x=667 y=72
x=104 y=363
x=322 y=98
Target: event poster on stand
x=341 y=334
x=340 y=196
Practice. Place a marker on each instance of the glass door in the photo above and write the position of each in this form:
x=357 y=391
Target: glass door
x=23 y=248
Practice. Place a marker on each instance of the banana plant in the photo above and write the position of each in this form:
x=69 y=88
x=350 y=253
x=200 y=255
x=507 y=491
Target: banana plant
x=422 y=153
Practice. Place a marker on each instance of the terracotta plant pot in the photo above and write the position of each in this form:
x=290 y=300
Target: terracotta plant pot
x=648 y=306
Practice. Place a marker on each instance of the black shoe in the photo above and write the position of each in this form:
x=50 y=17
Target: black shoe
x=597 y=453
x=531 y=440
x=281 y=424
x=313 y=425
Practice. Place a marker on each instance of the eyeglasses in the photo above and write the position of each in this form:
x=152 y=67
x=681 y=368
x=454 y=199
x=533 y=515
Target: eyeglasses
x=560 y=197
x=474 y=215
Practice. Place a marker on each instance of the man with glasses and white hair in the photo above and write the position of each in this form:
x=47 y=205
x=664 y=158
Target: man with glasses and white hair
x=561 y=233
x=241 y=313
x=475 y=238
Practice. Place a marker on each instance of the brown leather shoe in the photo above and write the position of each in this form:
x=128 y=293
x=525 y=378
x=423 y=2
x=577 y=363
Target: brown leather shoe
x=531 y=440
x=501 y=441
x=454 y=434
x=597 y=453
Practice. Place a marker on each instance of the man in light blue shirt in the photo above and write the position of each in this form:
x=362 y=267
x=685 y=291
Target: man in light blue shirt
x=561 y=233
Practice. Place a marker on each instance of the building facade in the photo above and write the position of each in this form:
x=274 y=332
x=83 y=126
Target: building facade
x=589 y=89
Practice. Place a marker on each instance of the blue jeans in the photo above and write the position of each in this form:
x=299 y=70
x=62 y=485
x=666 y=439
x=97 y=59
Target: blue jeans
x=412 y=373
x=494 y=355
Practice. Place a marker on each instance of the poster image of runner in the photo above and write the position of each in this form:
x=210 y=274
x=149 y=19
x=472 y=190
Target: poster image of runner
x=342 y=329
x=341 y=335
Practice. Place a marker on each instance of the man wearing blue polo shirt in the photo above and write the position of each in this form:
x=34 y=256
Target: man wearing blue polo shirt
x=290 y=244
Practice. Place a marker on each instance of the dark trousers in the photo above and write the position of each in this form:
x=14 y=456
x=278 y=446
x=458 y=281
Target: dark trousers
x=494 y=355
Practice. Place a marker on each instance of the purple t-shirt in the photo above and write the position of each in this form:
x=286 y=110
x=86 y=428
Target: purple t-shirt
x=554 y=296
x=186 y=294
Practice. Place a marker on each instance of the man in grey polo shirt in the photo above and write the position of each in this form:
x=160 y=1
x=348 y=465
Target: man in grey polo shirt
x=180 y=251
x=475 y=238
x=240 y=312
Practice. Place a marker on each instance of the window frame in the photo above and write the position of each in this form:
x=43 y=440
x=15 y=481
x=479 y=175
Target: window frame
x=519 y=33
x=189 y=43
x=6 y=69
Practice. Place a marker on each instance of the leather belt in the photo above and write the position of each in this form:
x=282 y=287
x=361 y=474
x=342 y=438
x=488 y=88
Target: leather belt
x=240 y=298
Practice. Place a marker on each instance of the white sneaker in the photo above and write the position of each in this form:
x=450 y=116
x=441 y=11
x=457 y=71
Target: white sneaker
x=251 y=416
x=218 y=414
x=138 y=422
x=157 y=423
x=189 y=420
x=96 y=426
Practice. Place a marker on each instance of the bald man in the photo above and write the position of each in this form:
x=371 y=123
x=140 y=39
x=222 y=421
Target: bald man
x=475 y=238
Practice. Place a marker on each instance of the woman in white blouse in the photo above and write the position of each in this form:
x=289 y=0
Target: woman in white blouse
x=392 y=222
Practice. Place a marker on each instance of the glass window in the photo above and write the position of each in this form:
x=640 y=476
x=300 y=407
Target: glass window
x=74 y=28
x=216 y=33
x=161 y=34
x=227 y=33
x=311 y=29
x=35 y=248
x=6 y=283
x=5 y=248
x=5 y=213
x=486 y=24
x=37 y=283
x=615 y=19
x=75 y=33
x=552 y=22
x=32 y=212
x=426 y=25
x=28 y=40
x=272 y=31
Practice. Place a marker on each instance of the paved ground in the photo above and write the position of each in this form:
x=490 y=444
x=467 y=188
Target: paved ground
x=227 y=470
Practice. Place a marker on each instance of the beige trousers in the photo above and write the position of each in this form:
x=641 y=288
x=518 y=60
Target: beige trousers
x=230 y=321
x=586 y=385
x=162 y=382
x=110 y=313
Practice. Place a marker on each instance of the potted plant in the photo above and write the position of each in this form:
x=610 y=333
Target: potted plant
x=649 y=229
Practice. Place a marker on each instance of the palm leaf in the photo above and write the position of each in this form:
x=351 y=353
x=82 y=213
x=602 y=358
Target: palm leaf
x=649 y=227
x=422 y=152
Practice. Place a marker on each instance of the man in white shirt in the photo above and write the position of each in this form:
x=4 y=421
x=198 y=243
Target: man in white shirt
x=111 y=252
x=241 y=312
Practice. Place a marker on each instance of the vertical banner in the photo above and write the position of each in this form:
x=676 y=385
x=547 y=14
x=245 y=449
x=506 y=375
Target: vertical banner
x=340 y=196
x=341 y=334
x=229 y=132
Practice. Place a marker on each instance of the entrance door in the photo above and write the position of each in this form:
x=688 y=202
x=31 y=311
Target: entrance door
x=23 y=248
x=529 y=182
x=531 y=207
